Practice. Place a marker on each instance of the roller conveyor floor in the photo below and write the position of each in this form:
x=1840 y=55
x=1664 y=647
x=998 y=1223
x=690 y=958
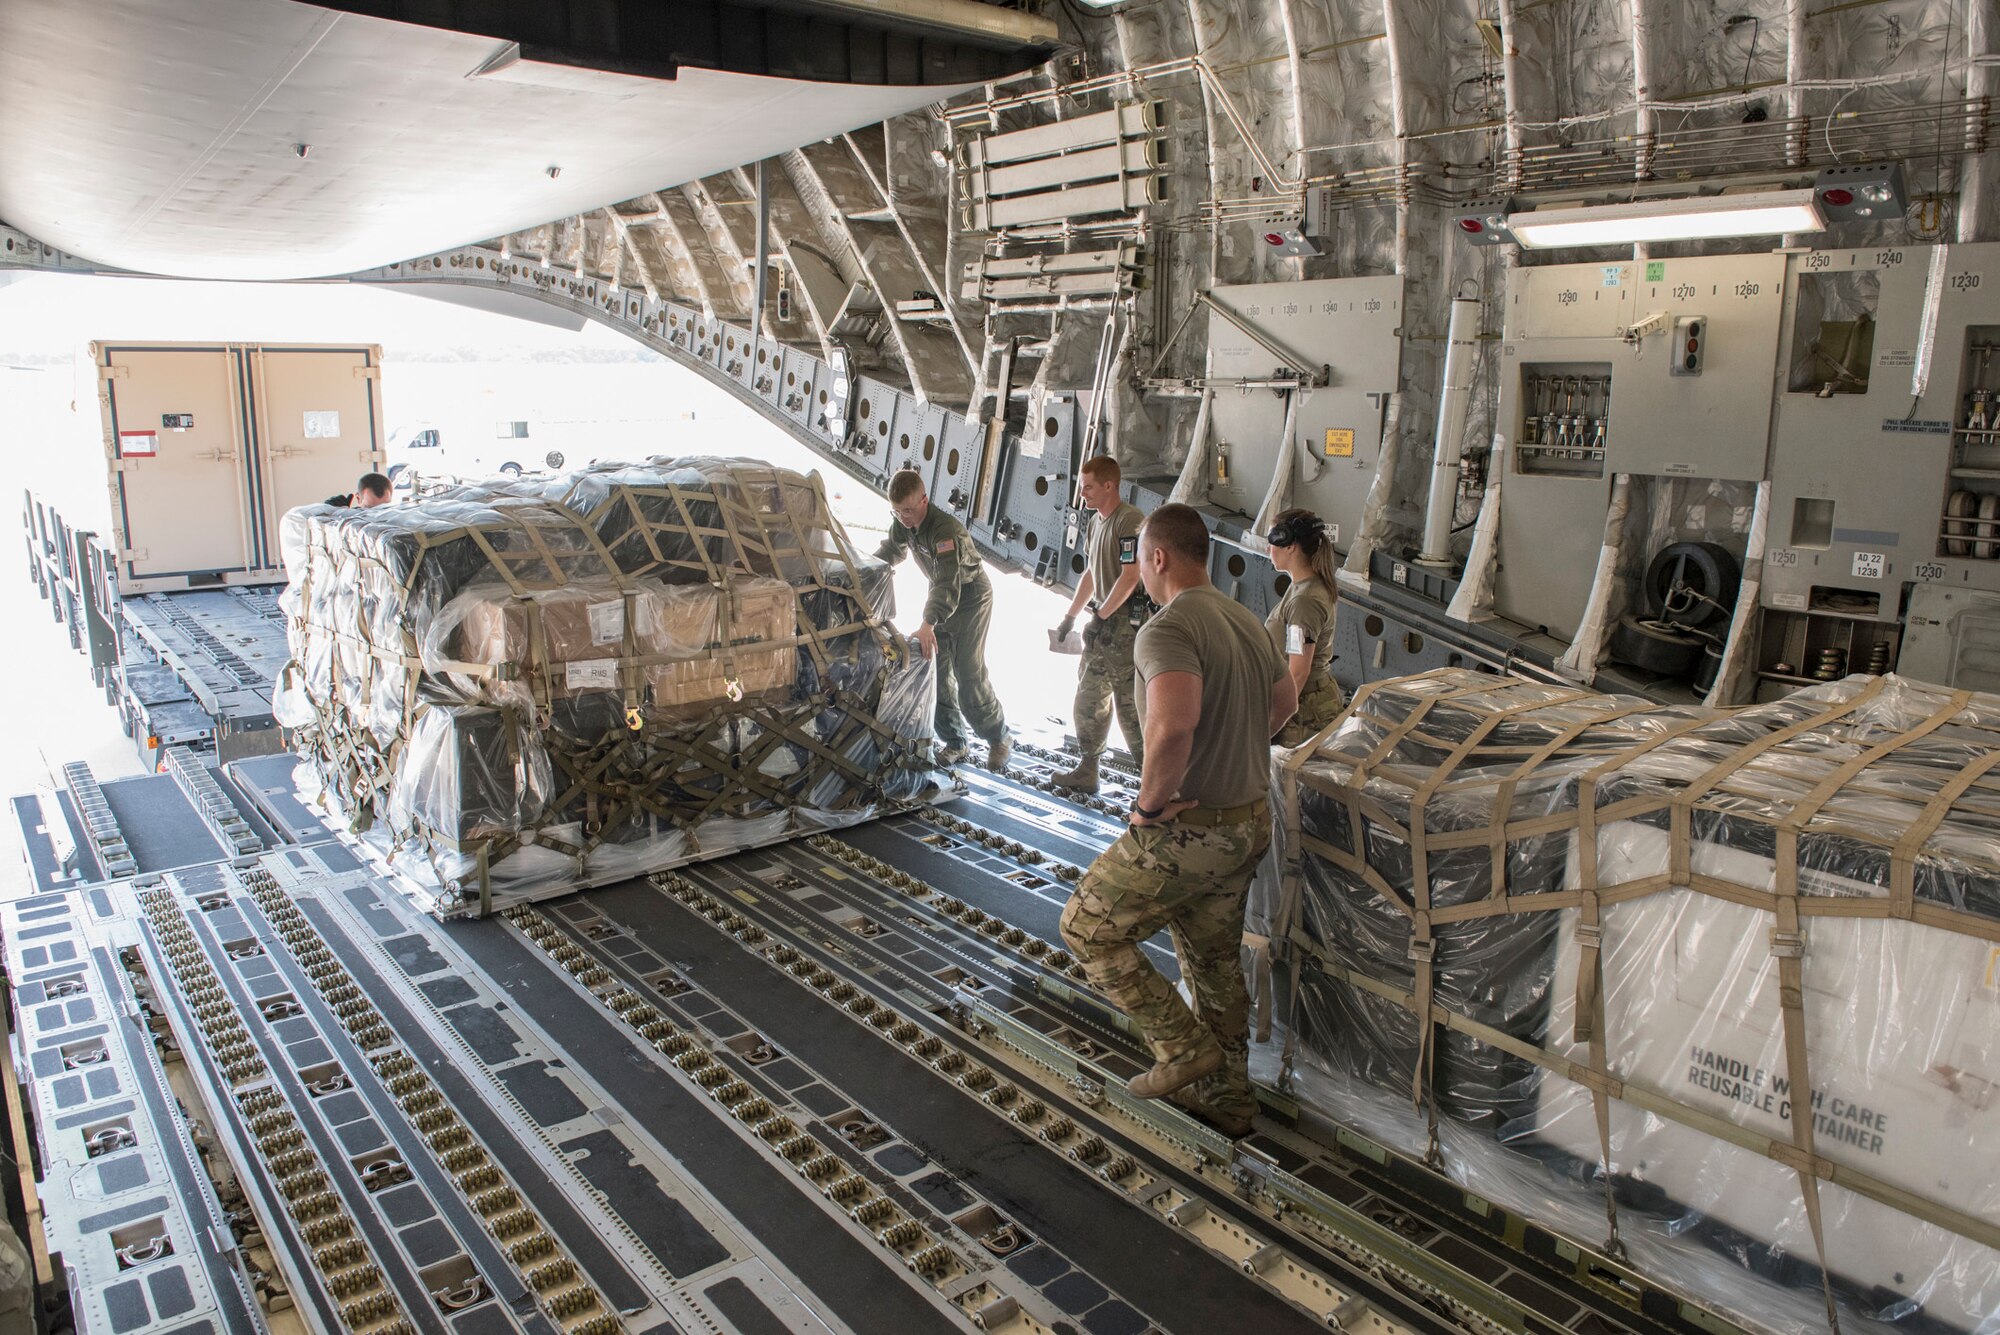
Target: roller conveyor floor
x=842 y=1084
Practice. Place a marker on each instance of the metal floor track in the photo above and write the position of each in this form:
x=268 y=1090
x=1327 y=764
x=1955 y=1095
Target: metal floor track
x=846 y=1084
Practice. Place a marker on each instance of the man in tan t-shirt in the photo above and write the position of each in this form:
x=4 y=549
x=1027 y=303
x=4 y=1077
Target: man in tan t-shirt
x=1118 y=608
x=1212 y=693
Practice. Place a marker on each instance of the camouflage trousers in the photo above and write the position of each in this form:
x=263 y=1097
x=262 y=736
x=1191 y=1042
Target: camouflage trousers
x=1191 y=880
x=1320 y=703
x=1106 y=679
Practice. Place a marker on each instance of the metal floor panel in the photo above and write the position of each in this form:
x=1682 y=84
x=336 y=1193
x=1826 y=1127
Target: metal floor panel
x=266 y=782
x=1117 y=1247
x=46 y=870
x=160 y=825
x=838 y=1086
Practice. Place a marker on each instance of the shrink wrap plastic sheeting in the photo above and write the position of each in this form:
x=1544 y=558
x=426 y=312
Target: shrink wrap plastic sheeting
x=518 y=687
x=1635 y=930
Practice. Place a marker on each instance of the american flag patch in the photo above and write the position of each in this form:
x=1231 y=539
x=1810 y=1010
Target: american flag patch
x=949 y=544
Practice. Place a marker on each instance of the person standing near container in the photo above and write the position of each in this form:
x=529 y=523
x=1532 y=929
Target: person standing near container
x=1118 y=607
x=1301 y=625
x=956 y=615
x=1212 y=692
x=372 y=490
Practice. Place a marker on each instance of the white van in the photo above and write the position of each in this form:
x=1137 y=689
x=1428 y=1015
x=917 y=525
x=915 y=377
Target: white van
x=514 y=446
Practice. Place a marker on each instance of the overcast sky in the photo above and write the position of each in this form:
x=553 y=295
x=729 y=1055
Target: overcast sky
x=50 y=314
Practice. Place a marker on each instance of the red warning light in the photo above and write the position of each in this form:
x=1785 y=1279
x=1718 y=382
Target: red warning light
x=1471 y=226
x=1837 y=197
x=1275 y=238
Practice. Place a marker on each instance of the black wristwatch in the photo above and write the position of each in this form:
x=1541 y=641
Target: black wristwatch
x=1144 y=814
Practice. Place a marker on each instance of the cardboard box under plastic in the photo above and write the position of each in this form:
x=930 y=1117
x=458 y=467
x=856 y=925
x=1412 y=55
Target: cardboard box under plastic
x=577 y=640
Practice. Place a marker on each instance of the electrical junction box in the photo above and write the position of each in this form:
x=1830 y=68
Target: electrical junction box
x=1296 y=234
x=1286 y=235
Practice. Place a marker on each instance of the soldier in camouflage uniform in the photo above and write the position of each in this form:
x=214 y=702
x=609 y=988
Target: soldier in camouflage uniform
x=1212 y=692
x=1301 y=625
x=1118 y=607
x=956 y=615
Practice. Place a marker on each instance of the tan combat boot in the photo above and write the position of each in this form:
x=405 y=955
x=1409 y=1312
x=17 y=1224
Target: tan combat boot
x=1083 y=778
x=1166 y=1077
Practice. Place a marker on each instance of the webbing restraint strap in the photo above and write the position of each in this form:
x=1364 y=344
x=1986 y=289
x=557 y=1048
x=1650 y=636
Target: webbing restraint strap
x=1423 y=943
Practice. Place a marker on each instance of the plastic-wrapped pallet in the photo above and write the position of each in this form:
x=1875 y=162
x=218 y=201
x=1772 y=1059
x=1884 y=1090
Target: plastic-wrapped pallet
x=1591 y=945
x=526 y=686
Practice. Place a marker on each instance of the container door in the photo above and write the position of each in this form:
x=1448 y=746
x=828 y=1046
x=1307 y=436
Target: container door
x=317 y=428
x=173 y=432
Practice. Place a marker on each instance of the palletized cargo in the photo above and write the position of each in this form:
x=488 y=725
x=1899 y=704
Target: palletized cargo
x=539 y=684
x=1593 y=945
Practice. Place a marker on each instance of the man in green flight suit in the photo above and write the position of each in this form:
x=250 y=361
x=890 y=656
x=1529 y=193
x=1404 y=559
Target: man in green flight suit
x=955 y=617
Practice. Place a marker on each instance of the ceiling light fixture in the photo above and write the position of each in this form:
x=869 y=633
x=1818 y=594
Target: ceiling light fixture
x=1699 y=218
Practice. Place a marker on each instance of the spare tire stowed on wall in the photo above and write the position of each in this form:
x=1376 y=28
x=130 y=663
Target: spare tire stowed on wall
x=1655 y=646
x=1689 y=596
x=1692 y=583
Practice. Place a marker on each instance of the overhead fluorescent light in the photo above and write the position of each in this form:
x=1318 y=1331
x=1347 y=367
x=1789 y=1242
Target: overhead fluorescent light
x=1700 y=218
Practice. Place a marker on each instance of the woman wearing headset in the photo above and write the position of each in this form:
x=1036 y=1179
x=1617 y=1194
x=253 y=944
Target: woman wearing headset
x=1302 y=624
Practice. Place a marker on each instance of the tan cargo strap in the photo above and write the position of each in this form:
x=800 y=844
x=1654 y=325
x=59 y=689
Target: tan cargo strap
x=1423 y=946
x=1788 y=947
x=630 y=678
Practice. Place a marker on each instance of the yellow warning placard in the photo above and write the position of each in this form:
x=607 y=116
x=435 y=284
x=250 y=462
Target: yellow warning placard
x=1339 y=442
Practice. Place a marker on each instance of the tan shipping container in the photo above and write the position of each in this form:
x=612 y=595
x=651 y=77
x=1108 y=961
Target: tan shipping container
x=208 y=444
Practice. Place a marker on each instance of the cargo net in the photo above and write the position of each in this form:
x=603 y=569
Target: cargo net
x=1715 y=990
x=526 y=686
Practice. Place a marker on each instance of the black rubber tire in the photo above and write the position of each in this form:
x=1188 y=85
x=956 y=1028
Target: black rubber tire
x=510 y=469
x=1654 y=647
x=1706 y=568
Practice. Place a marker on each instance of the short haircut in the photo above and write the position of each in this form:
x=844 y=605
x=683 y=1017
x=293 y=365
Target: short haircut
x=1101 y=468
x=906 y=483
x=375 y=484
x=1179 y=529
